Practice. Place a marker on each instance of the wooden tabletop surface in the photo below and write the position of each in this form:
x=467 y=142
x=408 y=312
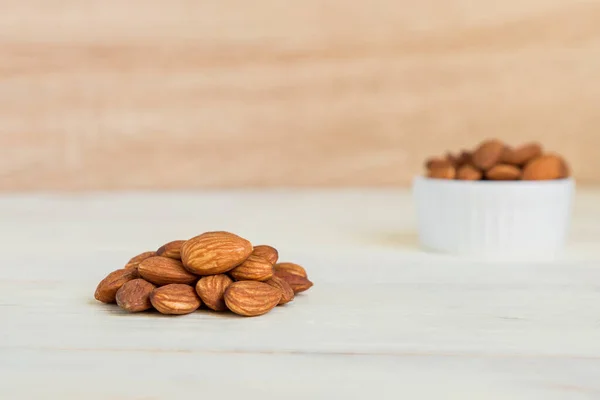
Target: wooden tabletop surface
x=384 y=319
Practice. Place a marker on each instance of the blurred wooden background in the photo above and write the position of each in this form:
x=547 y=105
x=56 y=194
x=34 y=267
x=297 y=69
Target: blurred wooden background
x=136 y=94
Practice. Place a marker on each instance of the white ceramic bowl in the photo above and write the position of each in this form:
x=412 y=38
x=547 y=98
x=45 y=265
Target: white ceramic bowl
x=508 y=219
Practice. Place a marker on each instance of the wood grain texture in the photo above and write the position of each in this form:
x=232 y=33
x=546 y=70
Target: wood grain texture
x=186 y=94
x=384 y=319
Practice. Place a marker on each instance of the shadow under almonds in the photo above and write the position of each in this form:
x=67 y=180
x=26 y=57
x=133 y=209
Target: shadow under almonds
x=115 y=310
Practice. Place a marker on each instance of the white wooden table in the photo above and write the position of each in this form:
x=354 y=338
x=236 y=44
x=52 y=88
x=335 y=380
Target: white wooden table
x=384 y=319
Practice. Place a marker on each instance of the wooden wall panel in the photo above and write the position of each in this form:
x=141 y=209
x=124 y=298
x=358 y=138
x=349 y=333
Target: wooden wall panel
x=220 y=93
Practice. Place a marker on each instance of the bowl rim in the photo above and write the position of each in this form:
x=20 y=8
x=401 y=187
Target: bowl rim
x=458 y=182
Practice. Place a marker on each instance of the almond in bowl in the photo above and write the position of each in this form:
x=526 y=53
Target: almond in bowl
x=495 y=200
x=494 y=160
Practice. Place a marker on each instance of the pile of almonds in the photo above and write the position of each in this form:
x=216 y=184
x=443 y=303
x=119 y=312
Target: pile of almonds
x=219 y=270
x=493 y=160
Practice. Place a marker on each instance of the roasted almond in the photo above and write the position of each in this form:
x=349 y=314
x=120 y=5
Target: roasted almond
x=464 y=158
x=488 y=154
x=468 y=173
x=445 y=172
x=171 y=249
x=211 y=290
x=521 y=155
x=287 y=294
x=255 y=268
x=251 y=298
x=545 y=167
x=291 y=268
x=214 y=253
x=163 y=271
x=108 y=287
x=135 y=261
x=267 y=252
x=565 y=169
x=297 y=283
x=134 y=296
x=175 y=299
x=503 y=172
x=452 y=159
x=437 y=162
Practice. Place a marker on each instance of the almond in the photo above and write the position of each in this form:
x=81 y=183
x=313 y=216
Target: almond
x=135 y=261
x=565 y=171
x=464 y=158
x=175 y=299
x=503 y=172
x=297 y=283
x=255 y=268
x=163 y=271
x=171 y=249
x=214 y=253
x=452 y=159
x=521 y=155
x=437 y=162
x=134 y=296
x=251 y=298
x=108 y=287
x=211 y=290
x=287 y=294
x=267 y=252
x=488 y=154
x=291 y=268
x=545 y=167
x=468 y=173
x=442 y=172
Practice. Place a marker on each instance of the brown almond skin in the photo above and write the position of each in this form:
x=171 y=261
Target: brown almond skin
x=488 y=154
x=134 y=296
x=251 y=298
x=267 y=252
x=214 y=253
x=255 y=268
x=175 y=299
x=565 y=169
x=468 y=173
x=521 y=155
x=297 y=283
x=503 y=172
x=163 y=271
x=452 y=159
x=171 y=249
x=287 y=294
x=546 y=167
x=291 y=268
x=437 y=162
x=106 y=290
x=135 y=261
x=211 y=290
x=464 y=158
x=445 y=172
